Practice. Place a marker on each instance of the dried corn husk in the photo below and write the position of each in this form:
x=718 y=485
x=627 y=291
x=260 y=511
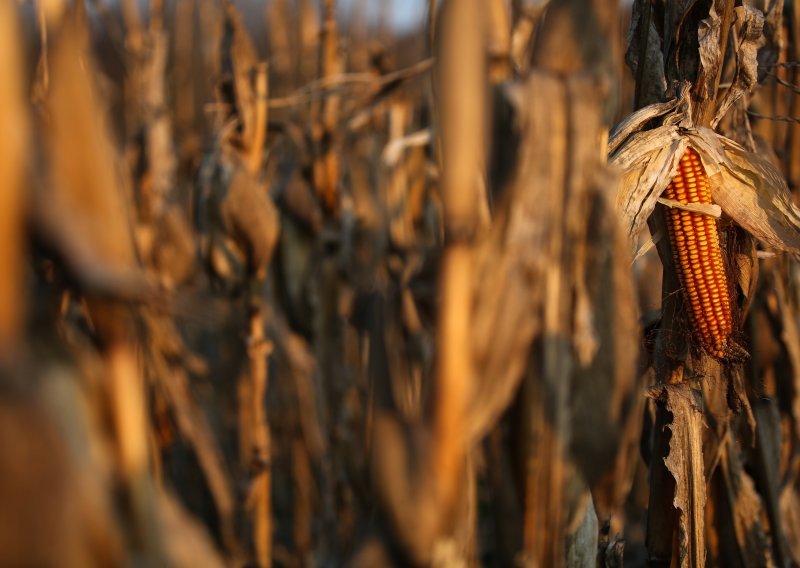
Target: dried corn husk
x=748 y=188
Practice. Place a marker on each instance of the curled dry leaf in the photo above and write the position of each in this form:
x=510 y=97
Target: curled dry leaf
x=648 y=161
x=709 y=31
x=635 y=121
x=750 y=28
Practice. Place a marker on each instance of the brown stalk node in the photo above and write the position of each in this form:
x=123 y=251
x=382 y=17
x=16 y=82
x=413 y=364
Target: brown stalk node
x=694 y=238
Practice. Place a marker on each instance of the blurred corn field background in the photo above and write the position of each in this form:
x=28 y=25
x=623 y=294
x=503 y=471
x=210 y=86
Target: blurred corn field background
x=386 y=283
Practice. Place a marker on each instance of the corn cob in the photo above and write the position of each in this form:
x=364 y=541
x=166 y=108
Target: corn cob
x=698 y=259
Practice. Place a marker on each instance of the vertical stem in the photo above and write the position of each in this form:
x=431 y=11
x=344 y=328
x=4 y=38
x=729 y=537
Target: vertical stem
x=256 y=434
x=259 y=451
x=499 y=41
x=126 y=390
x=461 y=82
x=326 y=116
x=160 y=150
x=127 y=402
x=134 y=44
x=13 y=147
x=455 y=372
x=183 y=80
x=256 y=150
x=461 y=86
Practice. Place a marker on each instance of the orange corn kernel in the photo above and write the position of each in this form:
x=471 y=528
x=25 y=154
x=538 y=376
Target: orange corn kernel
x=698 y=258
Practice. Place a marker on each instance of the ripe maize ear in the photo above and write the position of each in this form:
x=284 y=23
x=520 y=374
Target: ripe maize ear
x=698 y=258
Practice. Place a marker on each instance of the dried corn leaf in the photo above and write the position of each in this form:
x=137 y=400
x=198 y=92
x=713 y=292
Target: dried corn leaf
x=511 y=264
x=165 y=346
x=648 y=161
x=82 y=214
x=773 y=46
x=685 y=464
x=750 y=25
x=238 y=63
x=709 y=31
x=755 y=195
x=605 y=398
x=635 y=121
x=548 y=260
x=604 y=388
x=87 y=186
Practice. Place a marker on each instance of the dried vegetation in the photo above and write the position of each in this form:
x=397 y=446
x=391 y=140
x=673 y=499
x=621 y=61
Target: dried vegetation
x=279 y=287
